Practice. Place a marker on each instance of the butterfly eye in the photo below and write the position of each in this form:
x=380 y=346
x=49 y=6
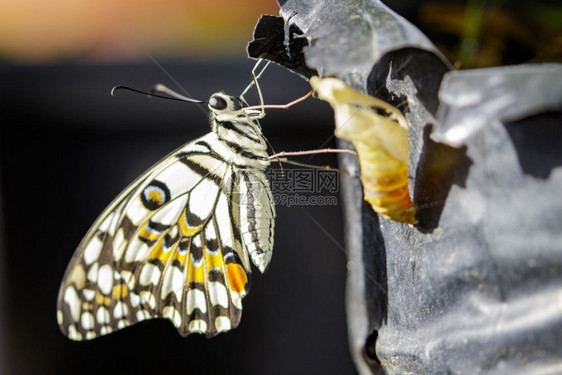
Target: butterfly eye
x=238 y=103
x=218 y=103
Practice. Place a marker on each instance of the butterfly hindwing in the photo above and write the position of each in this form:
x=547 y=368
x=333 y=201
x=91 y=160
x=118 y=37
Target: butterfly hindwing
x=169 y=246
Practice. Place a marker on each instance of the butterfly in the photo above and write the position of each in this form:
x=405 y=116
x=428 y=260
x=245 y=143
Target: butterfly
x=379 y=133
x=177 y=242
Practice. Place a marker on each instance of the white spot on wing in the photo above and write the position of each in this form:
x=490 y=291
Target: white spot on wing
x=150 y=274
x=224 y=220
x=222 y=323
x=119 y=244
x=93 y=273
x=104 y=226
x=125 y=323
x=173 y=231
x=202 y=198
x=137 y=250
x=196 y=241
x=142 y=315
x=120 y=310
x=89 y=294
x=171 y=313
x=195 y=299
x=147 y=298
x=210 y=233
x=87 y=320
x=198 y=325
x=105 y=279
x=73 y=334
x=128 y=278
x=115 y=218
x=236 y=299
x=136 y=211
x=92 y=250
x=71 y=298
x=135 y=299
x=218 y=294
x=173 y=282
x=77 y=276
x=102 y=315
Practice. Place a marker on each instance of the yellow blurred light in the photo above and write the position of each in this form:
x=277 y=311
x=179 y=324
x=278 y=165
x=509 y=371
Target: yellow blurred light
x=111 y=30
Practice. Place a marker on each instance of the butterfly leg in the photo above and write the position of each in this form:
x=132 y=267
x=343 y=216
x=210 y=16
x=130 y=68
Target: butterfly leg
x=320 y=167
x=312 y=152
x=279 y=106
x=255 y=79
x=281 y=157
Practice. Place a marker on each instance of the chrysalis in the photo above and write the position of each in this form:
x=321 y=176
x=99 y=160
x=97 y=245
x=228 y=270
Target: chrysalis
x=379 y=133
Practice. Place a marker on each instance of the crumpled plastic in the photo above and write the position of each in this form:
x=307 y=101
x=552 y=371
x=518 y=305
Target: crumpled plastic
x=476 y=287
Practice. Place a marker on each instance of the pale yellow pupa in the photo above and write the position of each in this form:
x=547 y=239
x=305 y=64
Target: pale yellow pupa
x=379 y=133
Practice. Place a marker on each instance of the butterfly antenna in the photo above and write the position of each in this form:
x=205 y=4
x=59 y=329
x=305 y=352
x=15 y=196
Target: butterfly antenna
x=178 y=97
x=161 y=88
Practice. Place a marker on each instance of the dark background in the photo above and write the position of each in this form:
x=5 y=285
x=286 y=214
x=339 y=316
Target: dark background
x=68 y=148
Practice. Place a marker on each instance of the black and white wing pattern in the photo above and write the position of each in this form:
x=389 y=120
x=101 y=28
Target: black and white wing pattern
x=177 y=242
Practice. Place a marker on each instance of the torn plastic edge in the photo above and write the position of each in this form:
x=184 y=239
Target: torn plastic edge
x=470 y=99
x=281 y=42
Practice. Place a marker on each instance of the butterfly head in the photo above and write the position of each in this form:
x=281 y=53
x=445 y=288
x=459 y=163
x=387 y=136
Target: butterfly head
x=230 y=121
x=220 y=103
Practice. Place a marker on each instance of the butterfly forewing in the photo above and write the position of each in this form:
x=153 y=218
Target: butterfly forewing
x=176 y=243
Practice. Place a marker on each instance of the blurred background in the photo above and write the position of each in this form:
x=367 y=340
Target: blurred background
x=67 y=148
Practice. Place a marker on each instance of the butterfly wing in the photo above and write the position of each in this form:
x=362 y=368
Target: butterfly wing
x=257 y=217
x=166 y=247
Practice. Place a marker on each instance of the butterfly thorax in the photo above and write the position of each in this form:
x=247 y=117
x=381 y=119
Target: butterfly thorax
x=238 y=131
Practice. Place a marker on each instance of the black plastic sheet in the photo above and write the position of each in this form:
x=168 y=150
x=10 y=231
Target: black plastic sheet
x=476 y=287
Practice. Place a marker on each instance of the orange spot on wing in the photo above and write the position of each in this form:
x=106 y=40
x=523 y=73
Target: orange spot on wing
x=87 y=306
x=120 y=291
x=102 y=300
x=237 y=278
x=155 y=196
